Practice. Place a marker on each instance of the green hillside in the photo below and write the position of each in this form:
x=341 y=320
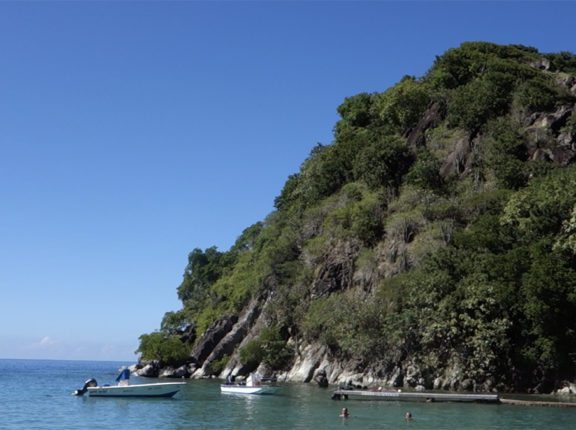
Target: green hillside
x=433 y=241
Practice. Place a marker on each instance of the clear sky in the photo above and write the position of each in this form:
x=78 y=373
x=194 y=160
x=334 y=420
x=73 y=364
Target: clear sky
x=133 y=132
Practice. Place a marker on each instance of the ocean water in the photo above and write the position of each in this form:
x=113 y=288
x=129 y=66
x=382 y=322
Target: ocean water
x=36 y=394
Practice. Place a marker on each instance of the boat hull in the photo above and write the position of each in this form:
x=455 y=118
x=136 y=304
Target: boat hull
x=243 y=389
x=168 y=389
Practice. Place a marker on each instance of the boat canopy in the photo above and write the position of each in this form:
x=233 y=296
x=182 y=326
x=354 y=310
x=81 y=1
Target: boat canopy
x=124 y=375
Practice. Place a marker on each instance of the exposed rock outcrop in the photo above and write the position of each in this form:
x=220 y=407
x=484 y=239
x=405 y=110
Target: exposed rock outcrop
x=320 y=378
x=150 y=369
x=459 y=158
x=337 y=269
x=234 y=336
x=179 y=372
x=309 y=359
x=212 y=338
x=546 y=140
x=416 y=136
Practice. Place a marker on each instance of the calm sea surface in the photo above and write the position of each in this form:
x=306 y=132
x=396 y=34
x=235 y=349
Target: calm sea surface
x=36 y=394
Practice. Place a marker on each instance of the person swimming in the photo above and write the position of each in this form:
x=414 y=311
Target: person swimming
x=408 y=416
x=344 y=413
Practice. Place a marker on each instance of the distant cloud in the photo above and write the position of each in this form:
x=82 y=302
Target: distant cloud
x=47 y=341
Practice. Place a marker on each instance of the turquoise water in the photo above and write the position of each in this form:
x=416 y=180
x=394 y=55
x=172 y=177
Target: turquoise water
x=37 y=395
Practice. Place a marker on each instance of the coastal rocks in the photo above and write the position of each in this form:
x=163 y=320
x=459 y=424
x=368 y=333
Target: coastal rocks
x=396 y=379
x=179 y=372
x=569 y=388
x=149 y=369
x=307 y=361
x=412 y=376
x=349 y=373
x=437 y=384
x=321 y=379
x=453 y=381
x=467 y=385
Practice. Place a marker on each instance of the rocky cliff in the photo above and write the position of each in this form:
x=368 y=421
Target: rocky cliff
x=429 y=246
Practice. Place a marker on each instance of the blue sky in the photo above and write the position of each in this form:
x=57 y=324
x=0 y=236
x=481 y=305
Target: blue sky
x=133 y=132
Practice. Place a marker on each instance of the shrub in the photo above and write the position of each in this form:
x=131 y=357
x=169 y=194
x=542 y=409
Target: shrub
x=252 y=354
x=535 y=95
x=506 y=154
x=425 y=172
x=269 y=348
x=357 y=110
x=563 y=62
x=480 y=100
x=382 y=163
x=217 y=366
x=168 y=349
x=401 y=106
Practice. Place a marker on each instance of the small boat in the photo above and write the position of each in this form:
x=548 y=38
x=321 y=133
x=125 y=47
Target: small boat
x=253 y=385
x=124 y=389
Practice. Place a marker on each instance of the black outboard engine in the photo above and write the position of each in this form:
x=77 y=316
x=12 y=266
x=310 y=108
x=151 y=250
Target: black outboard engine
x=89 y=383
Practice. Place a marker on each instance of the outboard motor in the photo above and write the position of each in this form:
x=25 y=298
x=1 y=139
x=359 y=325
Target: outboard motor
x=89 y=383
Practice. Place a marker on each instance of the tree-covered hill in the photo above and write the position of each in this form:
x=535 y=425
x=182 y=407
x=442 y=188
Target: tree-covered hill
x=432 y=243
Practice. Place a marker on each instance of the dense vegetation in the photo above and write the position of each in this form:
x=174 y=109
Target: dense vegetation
x=438 y=228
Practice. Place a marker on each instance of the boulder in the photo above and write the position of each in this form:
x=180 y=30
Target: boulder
x=167 y=372
x=412 y=376
x=396 y=379
x=567 y=389
x=438 y=384
x=320 y=378
x=180 y=372
x=467 y=384
x=150 y=370
x=541 y=64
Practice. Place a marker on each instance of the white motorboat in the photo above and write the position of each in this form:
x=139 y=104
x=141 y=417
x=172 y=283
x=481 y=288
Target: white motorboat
x=165 y=389
x=253 y=385
x=243 y=389
x=124 y=389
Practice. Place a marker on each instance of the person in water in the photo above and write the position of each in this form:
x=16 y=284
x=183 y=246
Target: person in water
x=344 y=413
x=408 y=416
